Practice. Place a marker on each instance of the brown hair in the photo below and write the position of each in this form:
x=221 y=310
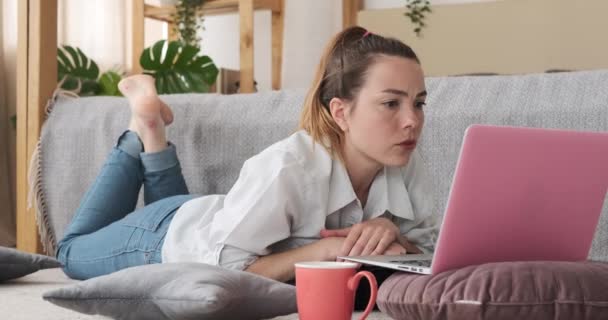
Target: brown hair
x=340 y=74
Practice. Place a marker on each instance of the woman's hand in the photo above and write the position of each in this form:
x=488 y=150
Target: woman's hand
x=395 y=249
x=330 y=247
x=372 y=237
x=409 y=247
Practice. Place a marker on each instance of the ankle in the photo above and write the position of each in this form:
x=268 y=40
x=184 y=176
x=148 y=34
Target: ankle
x=153 y=146
x=154 y=139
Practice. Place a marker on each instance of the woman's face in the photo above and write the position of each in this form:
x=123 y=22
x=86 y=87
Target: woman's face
x=383 y=124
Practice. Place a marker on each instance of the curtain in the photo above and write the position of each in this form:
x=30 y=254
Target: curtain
x=102 y=30
x=8 y=12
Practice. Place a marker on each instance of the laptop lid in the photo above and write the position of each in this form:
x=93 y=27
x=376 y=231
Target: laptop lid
x=523 y=194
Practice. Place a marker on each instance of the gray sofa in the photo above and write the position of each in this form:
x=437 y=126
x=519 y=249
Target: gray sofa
x=214 y=135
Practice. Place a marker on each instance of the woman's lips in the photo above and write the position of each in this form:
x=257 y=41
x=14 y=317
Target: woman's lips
x=409 y=144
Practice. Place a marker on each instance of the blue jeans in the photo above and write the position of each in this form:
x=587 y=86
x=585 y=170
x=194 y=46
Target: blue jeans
x=107 y=234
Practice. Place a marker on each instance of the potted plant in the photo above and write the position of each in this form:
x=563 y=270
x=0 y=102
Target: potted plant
x=416 y=12
x=187 y=22
x=177 y=68
x=76 y=72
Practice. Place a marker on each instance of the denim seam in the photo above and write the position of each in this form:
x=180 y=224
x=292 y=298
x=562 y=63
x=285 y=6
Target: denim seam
x=114 y=254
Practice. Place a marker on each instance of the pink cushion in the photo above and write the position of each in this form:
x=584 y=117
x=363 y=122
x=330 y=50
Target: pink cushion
x=506 y=290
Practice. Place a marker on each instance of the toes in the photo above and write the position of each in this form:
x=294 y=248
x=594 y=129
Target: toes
x=125 y=86
x=147 y=83
x=166 y=114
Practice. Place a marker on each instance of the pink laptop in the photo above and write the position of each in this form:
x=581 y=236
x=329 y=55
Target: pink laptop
x=518 y=194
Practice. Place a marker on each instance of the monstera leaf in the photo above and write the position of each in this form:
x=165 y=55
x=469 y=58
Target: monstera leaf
x=108 y=83
x=178 y=68
x=76 y=70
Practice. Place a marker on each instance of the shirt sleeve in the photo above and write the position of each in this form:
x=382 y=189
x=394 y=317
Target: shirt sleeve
x=423 y=230
x=259 y=209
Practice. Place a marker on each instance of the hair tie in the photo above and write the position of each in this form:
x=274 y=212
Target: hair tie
x=367 y=33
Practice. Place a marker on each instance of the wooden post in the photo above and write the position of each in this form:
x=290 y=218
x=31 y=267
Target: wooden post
x=278 y=22
x=172 y=34
x=138 y=24
x=23 y=223
x=246 y=52
x=350 y=9
x=37 y=79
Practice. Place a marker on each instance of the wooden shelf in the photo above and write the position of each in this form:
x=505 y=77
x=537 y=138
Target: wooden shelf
x=210 y=7
x=245 y=9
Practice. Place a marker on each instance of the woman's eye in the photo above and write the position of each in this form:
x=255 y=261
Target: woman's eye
x=391 y=103
x=420 y=104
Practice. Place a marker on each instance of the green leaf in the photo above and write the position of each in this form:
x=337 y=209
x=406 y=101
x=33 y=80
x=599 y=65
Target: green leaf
x=180 y=70
x=171 y=53
x=186 y=55
x=210 y=71
x=90 y=88
x=416 y=13
x=145 y=60
x=70 y=83
x=108 y=83
x=77 y=69
x=157 y=52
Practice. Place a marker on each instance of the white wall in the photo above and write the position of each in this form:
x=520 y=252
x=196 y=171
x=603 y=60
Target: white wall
x=507 y=37
x=309 y=25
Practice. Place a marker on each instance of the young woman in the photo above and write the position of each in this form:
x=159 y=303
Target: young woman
x=350 y=182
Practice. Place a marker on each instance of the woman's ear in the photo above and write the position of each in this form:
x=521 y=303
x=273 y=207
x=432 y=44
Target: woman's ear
x=339 y=109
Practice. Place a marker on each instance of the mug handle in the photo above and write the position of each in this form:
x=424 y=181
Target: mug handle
x=353 y=283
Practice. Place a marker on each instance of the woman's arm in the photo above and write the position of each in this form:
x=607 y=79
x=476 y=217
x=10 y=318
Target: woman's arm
x=280 y=266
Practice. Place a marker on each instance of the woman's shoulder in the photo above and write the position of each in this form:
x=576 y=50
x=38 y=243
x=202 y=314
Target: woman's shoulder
x=297 y=151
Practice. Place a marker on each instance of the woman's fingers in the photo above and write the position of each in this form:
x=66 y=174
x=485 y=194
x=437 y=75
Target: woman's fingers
x=395 y=249
x=352 y=241
x=407 y=245
x=372 y=243
x=384 y=244
x=325 y=233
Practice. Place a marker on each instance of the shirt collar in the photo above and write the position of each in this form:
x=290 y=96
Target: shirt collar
x=387 y=193
x=341 y=191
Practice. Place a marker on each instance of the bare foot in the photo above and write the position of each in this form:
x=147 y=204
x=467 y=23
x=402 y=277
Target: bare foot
x=149 y=115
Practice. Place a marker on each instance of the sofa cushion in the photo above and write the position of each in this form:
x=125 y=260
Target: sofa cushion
x=15 y=264
x=507 y=290
x=178 y=291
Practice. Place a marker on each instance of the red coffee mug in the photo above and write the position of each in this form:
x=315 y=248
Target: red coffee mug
x=326 y=290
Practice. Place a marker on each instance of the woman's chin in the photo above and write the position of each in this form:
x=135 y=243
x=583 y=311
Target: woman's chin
x=398 y=160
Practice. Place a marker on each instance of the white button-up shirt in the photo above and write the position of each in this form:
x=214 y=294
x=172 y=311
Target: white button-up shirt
x=282 y=199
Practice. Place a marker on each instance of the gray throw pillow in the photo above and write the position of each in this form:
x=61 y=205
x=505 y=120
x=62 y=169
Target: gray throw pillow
x=178 y=291
x=15 y=263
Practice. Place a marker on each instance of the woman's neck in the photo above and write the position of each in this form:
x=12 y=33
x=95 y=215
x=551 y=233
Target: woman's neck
x=361 y=171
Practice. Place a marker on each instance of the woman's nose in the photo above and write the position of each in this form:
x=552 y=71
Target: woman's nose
x=409 y=117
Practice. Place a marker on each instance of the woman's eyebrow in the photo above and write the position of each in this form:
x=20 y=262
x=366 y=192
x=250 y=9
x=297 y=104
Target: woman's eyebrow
x=404 y=93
